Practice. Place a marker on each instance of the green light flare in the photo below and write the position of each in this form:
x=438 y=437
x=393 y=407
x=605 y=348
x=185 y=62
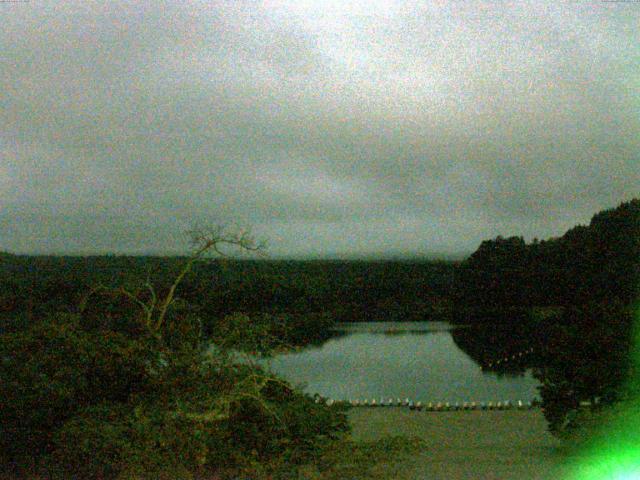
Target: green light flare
x=614 y=452
x=611 y=464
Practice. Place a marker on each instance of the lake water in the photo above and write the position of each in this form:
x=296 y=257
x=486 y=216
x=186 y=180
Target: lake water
x=417 y=360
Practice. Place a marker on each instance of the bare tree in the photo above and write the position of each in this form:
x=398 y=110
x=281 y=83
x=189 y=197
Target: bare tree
x=204 y=242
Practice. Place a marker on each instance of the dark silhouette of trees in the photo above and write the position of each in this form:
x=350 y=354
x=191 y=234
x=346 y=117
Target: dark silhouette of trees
x=587 y=358
x=599 y=262
x=592 y=273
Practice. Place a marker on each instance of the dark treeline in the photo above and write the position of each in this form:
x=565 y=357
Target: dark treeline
x=571 y=299
x=312 y=293
x=488 y=344
x=594 y=263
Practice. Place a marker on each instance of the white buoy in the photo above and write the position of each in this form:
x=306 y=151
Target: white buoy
x=473 y=406
x=520 y=405
x=374 y=403
x=465 y=406
x=490 y=406
x=438 y=407
x=430 y=407
x=418 y=405
x=390 y=402
x=365 y=403
x=499 y=406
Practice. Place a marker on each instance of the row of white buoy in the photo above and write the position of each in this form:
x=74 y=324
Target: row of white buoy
x=509 y=358
x=437 y=406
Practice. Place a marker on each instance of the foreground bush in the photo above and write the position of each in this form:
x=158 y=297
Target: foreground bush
x=265 y=333
x=128 y=387
x=54 y=370
x=104 y=405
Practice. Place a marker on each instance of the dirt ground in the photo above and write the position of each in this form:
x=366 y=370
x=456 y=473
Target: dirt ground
x=484 y=445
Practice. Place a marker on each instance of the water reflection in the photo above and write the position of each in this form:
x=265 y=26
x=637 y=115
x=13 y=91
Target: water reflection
x=418 y=360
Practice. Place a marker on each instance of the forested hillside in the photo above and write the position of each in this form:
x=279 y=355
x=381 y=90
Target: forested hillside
x=590 y=276
x=594 y=263
x=33 y=287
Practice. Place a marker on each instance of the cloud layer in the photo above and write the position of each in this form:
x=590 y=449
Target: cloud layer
x=333 y=128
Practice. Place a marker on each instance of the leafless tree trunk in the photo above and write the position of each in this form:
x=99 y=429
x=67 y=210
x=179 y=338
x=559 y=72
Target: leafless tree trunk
x=204 y=241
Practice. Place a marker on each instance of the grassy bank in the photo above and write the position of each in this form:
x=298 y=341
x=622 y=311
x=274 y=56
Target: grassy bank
x=485 y=445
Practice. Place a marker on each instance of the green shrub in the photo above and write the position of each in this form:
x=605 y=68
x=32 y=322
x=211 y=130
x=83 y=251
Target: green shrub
x=587 y=358
x=55 y=369
x=265 y=333
x=188 y=433
x=104 y=404
x=124 y=389
x=121 y=441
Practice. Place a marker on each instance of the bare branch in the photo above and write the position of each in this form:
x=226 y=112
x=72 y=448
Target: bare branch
x=85 y=299
x=154 y=299
x=204 y=240
x=134 y=298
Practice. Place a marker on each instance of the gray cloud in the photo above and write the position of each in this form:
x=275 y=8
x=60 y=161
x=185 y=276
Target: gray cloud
x=334 y=128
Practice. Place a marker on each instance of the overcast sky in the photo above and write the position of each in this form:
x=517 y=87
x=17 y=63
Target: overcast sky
x=332 y=128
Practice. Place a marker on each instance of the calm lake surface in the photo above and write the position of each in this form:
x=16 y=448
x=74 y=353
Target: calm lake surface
x=417 y=360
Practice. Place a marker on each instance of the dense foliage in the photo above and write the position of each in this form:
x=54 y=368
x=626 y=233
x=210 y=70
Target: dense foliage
x=102 y=403
x=595 y=263
x=302 y=292
x=589 y=279
x=587 y=357
x=121 y=387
